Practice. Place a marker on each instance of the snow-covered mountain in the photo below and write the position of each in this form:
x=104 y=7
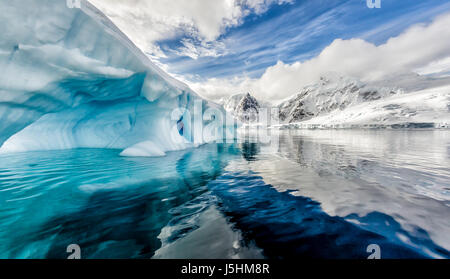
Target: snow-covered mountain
x=342 y=102
x=70 y=78
x=337 y=101
x=331 y=93
x=429 y=108
x=230 y=103
x=244 y=107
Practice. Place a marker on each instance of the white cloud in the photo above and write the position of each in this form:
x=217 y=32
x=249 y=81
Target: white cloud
x=196 y=49
x=439 y=68
x=417 y=47
x=261 y=6
x=146 y=22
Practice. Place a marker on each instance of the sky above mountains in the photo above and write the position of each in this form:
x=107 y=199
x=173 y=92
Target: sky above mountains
x=274 y=47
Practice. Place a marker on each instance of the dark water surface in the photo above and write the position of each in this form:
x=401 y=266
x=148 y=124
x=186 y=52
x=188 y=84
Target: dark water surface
x=319 y=194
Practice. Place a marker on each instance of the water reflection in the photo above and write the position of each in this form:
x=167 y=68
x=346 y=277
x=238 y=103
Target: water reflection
x=320 y=194
x=250 y=150
x=286 y=226
x=353 y=174
x=112 y=207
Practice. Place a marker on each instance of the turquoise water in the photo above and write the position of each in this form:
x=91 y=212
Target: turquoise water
x=320 y=194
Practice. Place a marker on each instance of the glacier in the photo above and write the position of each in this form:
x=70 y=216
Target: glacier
x=71 y=79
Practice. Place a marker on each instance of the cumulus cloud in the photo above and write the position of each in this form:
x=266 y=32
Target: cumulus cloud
x=422 y=46
x=147 y=22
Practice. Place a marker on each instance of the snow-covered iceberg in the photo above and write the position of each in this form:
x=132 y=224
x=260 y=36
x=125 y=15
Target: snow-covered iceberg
x=71 y=79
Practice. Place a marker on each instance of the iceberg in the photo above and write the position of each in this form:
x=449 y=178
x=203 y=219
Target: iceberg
x=143 y=149
x=71 y=79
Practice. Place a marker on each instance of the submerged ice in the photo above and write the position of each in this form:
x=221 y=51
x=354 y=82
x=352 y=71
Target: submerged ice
x=71 y=79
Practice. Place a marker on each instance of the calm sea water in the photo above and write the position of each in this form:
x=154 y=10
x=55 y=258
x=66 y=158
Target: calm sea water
x=315 y=194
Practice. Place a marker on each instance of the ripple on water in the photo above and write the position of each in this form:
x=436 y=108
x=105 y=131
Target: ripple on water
x=323 y=194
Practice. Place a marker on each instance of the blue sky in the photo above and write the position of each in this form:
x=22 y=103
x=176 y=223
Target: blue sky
x=296 y=32
x=272 y=48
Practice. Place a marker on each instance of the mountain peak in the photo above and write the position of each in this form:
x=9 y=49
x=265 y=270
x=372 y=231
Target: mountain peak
x=245 y=107
x=332 y=92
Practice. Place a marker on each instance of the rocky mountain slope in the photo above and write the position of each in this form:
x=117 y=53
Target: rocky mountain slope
x=331 y=93
x=244 y=107
x=336 y=101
